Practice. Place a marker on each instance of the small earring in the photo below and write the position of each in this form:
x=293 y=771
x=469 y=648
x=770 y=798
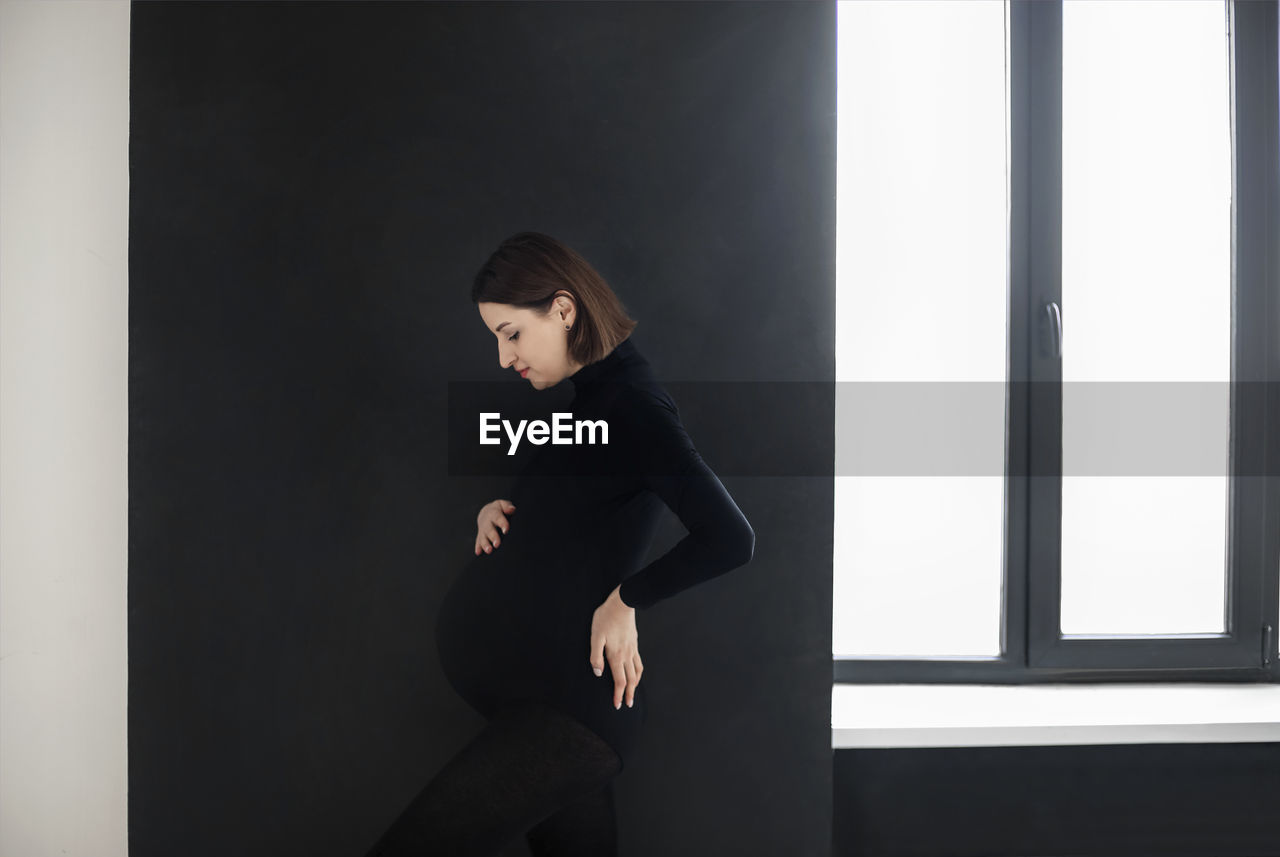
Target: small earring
x=566 y=327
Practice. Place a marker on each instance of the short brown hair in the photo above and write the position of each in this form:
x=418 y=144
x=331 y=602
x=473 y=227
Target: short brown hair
x=529 y=268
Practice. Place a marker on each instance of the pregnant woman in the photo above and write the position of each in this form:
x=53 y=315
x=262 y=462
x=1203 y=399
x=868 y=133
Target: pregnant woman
x=538 y=632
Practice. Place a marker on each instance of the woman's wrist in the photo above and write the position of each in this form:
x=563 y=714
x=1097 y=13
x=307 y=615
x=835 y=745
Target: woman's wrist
x=617 y=596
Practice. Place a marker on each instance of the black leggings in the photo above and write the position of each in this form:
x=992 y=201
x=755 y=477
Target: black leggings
x=531 y=770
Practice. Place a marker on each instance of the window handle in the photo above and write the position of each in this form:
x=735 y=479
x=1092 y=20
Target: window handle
x=1053 y=321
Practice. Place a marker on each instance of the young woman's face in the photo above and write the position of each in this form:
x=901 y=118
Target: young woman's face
x=532 y=342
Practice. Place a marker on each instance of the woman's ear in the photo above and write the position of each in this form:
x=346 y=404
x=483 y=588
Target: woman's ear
x=564 y=305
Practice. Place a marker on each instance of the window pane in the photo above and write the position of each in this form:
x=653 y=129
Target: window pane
x=1146 y=298
x=921 y=296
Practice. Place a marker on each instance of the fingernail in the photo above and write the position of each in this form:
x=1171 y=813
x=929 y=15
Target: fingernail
x=617 y=706
x=628 y=703
x=597 y=672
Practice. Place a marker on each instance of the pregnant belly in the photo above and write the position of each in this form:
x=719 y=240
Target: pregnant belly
x=509 y=624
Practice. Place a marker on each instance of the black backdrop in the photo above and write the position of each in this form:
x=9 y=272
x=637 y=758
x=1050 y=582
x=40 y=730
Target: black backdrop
x=312 y=188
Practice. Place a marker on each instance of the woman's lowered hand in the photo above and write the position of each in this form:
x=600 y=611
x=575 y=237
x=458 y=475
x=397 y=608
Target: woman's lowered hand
x=492 y=518
x=614 y=638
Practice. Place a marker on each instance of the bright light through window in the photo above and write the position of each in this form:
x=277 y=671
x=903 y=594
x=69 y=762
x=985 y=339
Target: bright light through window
x=1146 y=297
x=921 y=297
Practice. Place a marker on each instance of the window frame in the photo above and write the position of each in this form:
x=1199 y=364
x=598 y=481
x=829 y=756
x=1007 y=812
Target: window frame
x=1032 y=647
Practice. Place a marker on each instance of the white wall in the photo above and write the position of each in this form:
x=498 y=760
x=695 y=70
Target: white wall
x=64 y=185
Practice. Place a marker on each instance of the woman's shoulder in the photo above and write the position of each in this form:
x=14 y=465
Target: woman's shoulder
x=645 y=401
x=649 y=428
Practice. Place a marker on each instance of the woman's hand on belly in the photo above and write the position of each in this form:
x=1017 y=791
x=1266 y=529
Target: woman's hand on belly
x=492 y=517
x=614 y=637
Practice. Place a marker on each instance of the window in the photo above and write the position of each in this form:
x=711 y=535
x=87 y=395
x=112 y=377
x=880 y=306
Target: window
x=1057 y=244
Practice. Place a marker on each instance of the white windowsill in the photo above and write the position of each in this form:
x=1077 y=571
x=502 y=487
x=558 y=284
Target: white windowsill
x=951 y=715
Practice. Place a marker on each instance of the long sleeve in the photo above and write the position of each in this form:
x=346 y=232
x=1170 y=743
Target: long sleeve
x=720 y=538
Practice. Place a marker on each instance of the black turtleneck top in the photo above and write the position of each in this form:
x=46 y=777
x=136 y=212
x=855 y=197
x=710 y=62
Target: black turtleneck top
x=516 y=622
